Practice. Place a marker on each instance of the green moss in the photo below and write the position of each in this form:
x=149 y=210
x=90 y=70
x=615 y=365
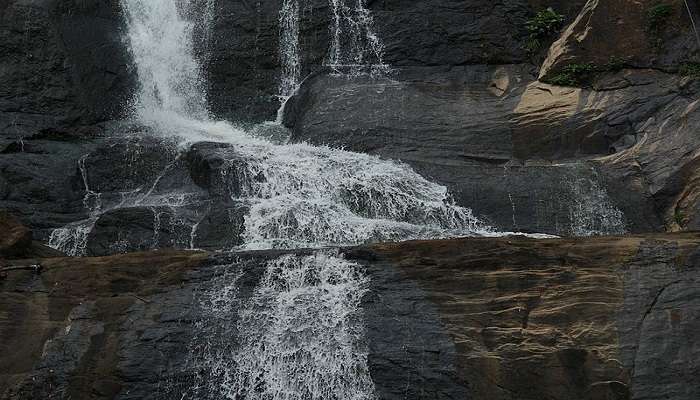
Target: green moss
x=574 y=75
x=691 y=69
x=541 y=27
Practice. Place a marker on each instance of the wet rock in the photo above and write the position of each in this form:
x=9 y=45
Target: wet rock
x=222 y=228
x=16 y=239
x=216 y=168
x=472 y=130
x=504 y=318
x=42 y=186
x=59 y=60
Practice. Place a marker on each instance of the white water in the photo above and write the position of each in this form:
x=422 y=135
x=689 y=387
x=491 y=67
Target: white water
x=290 y=57
x=354 y=43
x=354 y=48
x=300 y=335
x=171 y=87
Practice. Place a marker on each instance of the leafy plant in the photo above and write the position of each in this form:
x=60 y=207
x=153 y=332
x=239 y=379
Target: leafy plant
x=691 y=69
x=657 y=16
x=678 y=217
x=615 y=64
x=574 y=75
x=542 y=26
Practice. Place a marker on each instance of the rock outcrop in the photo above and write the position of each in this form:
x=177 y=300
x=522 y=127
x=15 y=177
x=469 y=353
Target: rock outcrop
x=656 y=35
x=509 y=318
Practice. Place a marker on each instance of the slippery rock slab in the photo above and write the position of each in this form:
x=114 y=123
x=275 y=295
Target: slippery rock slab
x=509 y=318
x=466 y=127
x=470 y=128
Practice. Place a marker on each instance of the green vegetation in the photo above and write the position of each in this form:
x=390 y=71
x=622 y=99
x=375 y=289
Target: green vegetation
x=541 y=27
x=615 y=64
x=678 y=217
x=574 y=75
x=691 y=69
x=657 y=17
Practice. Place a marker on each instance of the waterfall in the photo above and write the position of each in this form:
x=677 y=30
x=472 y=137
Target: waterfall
x=301 y=333
x=160 y=39
x=290 y=57
x=354 y=44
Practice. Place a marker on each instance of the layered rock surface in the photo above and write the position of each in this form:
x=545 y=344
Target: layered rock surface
x=509 y=318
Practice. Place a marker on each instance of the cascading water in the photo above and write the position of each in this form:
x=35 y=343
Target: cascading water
x=290 y=58
x=160 y=38
x=354 y=44
x=300 y=334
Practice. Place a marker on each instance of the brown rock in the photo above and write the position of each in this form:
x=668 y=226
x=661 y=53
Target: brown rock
x=612 y=31
x=498 y=319
x=15 y=238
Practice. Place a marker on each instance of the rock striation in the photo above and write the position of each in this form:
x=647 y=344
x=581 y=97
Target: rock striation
x=508 y=318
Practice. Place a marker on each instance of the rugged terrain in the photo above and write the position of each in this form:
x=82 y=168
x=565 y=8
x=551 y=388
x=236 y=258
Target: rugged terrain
x=466 y=103
x=592 y=128
x=509 y=318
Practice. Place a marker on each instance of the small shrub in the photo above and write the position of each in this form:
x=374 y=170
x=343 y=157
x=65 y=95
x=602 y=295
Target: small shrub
x=574 y=75
x=678 y=217
x=691 y=69
x=542 y=26
x=657 y=17
x=615 y=64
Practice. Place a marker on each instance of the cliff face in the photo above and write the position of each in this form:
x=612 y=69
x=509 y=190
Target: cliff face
x=463 y=104
x=592 y=131
x=510 y=318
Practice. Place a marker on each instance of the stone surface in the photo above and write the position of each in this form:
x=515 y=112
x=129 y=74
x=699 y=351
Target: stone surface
x=509 y=318
x=665 y=42
x=15 y=239
x=59 y=60
x=508 y=146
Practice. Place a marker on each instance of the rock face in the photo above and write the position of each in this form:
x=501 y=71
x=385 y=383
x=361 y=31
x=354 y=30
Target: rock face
x=518 y=152
x=59 y=59
x=657 y=35
x=463 y=106
x=15 y=239
x=510 y=318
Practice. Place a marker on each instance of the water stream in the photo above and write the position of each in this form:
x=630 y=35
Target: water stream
x=300 y=335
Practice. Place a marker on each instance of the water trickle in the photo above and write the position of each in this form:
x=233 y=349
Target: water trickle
x=354 y=43
x=592 y=212
x=290 y=56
